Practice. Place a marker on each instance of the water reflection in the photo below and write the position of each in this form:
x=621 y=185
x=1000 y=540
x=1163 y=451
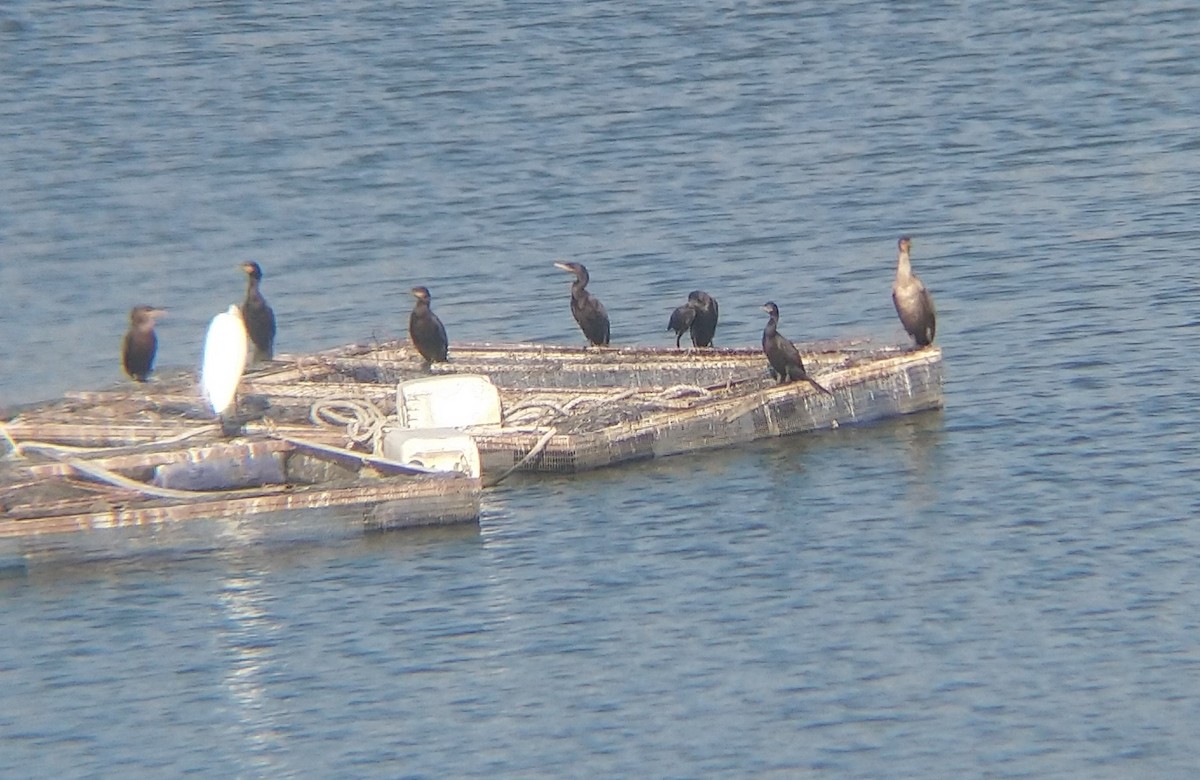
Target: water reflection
x=249 y=640
x=918 y=439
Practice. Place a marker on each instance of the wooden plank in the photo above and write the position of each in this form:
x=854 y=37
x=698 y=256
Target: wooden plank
x=146 y=460
x=96 y=435
x=451 y=499
x=103 y=496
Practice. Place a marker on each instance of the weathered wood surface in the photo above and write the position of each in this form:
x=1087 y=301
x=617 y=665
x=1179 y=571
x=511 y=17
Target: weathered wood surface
x=748 y=409
x=426 y=501
x=116 y=461
x=565 y=409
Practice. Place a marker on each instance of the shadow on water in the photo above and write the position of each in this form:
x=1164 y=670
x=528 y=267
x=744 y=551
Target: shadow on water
x=899 y=455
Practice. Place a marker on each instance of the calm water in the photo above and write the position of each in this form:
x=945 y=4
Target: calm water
x=1007 y=588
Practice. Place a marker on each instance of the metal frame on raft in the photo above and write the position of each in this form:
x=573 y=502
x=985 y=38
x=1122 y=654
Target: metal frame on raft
x=321 y=422
x=688 y=418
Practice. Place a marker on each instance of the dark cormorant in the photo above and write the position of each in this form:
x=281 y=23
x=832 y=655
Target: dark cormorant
x=588 y=310
x=140 y=343
x=782 y=354
x=913 y=302
x=681 y=320
x=699 y=315
x=704 y=325
x=426 y=331
x=260 y=320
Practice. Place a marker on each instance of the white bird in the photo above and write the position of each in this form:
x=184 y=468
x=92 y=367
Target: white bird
x=224 y=360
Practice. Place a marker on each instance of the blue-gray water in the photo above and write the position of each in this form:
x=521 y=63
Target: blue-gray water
x=1007 y=588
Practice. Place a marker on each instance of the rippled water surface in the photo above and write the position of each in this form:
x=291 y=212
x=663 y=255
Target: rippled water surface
x=1007 y=588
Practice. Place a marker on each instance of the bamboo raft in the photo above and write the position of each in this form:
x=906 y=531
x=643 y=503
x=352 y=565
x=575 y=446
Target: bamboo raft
x=315 y=422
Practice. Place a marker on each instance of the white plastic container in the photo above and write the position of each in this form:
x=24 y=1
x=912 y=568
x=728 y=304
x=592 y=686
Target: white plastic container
x=448 y=402
x=436 y=449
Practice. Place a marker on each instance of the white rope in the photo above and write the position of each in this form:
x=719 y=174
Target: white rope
x=16 y=449
x=533 y=453
x=51 y=447
x=679 y=391
x=117 y=480
x=559 y=411
x=661 y=398
x=360 y=417
x=607 y=399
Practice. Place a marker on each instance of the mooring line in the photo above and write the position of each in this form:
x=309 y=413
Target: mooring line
x=533 y=453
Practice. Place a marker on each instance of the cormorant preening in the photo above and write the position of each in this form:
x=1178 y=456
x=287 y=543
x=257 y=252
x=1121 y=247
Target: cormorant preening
x=782 y=354
x=913 y=302
x=259 y=319
x=426 y=331
x=588 y=310
x=704 y=326
x=140 y=343
x=681 y=320
x=699 y=315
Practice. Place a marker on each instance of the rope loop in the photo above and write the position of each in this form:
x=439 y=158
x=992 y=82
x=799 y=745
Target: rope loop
x=360 y=417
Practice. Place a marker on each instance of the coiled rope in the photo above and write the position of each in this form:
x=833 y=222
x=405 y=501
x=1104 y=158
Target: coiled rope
x=359 y=417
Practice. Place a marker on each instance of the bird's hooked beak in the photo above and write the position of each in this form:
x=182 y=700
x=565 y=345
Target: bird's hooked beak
x=157 y=313
x=564 y=267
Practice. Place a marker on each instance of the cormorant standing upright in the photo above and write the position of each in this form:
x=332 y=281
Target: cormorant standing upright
x=140 y=343
x=913 y=302
x=782 y=353
x=587 y=309
x=426 y=331
x=259 y=319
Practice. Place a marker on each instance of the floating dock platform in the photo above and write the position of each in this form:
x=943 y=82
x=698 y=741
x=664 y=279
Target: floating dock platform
x=316 y=426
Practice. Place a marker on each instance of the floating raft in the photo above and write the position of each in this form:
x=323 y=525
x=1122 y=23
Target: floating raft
x=315 y=425
x=574 y=410
x=55 y=489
